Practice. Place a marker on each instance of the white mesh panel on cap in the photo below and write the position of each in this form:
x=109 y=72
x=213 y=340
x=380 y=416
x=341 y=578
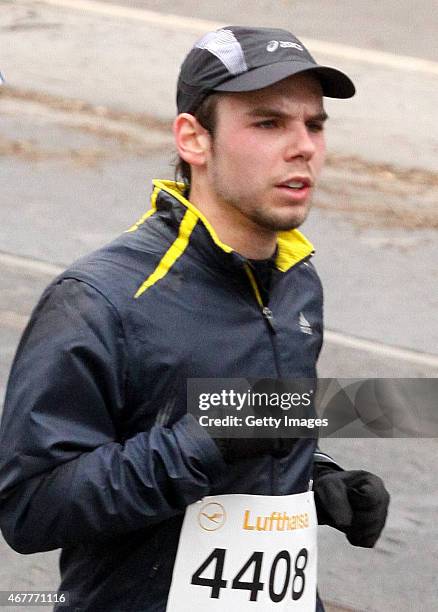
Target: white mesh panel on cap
x=224 y=45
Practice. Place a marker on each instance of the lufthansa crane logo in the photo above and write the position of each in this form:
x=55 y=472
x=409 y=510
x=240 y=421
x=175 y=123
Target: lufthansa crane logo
x=212 y=516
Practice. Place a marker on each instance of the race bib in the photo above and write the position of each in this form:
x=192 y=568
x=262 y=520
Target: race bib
x=246 y=552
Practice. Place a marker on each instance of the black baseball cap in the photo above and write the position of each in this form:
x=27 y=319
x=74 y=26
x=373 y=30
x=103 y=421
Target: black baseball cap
x=236 y=58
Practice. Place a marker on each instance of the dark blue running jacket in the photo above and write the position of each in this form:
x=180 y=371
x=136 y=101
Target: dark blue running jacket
x=96 y=454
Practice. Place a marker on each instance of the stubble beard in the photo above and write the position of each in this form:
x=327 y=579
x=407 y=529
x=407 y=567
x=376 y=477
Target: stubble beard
x=262 y=218
x=276 y=223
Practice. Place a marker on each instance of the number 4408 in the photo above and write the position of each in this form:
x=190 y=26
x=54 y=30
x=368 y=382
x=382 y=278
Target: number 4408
x=255 y=585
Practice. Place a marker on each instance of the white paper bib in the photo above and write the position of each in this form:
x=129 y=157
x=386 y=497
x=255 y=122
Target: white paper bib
x=250 y=553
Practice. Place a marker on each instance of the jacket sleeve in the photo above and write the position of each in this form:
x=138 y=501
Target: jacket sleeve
x=65 y=476
x=321 y=459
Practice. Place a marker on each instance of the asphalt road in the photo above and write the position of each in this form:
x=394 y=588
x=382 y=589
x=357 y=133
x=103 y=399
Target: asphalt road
x=84 y=126
x=397 y=26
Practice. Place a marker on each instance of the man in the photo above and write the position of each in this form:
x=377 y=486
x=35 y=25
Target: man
x=98 y=455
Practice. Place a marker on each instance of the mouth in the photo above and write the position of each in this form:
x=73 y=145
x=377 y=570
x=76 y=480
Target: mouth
x=296 y=188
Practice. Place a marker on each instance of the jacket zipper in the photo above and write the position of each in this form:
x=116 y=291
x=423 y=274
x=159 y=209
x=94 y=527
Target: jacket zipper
x=154 y=569
x=269 y=320
x=267 y=315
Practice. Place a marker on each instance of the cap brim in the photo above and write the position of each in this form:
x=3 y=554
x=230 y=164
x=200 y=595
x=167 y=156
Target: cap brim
x=334 y=83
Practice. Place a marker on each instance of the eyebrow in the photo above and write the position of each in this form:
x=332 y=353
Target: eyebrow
x=273 y=112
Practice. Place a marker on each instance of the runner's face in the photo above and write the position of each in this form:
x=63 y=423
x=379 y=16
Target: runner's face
x=268 y=151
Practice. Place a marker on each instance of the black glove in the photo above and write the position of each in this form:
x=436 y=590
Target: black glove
x=355 y=502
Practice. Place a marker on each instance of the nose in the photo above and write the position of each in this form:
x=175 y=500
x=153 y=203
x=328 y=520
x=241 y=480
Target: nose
x=299 y=143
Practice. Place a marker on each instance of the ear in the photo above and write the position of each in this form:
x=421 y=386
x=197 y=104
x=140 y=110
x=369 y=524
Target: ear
x=193 y=142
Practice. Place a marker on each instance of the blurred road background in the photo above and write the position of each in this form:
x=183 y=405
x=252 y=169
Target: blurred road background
x=84 y=126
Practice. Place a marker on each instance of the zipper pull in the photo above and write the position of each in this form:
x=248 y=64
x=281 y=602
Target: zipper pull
x=267 y=313
x=154 y=569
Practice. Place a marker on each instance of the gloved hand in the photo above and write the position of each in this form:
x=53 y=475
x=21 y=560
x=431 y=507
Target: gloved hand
x=355 y=502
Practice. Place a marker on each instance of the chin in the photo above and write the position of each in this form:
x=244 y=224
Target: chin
x=289 y=223
x=283 y=220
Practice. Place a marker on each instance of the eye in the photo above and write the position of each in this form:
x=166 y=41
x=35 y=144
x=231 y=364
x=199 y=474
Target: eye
x=267 y=124
x=315 y=126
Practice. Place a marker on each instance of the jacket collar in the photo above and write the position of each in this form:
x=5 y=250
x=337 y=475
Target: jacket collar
x=292 y=245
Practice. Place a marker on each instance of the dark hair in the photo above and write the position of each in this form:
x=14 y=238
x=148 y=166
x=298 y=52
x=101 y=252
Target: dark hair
x=206 y=115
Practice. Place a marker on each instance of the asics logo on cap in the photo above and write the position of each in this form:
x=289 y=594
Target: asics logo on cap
x=284 y=44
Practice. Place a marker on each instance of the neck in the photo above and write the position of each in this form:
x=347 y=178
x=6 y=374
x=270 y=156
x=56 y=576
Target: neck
x=234 y=228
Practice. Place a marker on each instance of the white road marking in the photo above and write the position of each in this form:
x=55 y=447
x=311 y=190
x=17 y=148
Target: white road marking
x=200 y=26
x=381 y=349
x=175 y=22
x=8 y=318
x=31 y=265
